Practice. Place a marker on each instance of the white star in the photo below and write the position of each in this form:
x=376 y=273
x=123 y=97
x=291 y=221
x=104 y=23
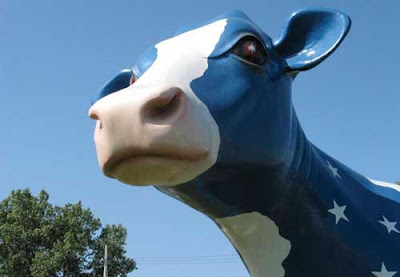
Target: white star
x=338 y=211
x=334 y=170
x=251 y=47
x=391 y=226
x=384 y=272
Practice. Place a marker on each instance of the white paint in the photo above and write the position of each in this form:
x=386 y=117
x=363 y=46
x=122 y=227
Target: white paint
x=384 y=272
x=257 y=239
x=338 y=212
x=384 y=184
x=390 y=225
x=334 y=170
x=179 y=61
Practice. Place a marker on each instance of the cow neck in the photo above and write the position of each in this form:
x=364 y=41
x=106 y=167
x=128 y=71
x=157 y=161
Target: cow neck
x=260 y=209
x=230 y=189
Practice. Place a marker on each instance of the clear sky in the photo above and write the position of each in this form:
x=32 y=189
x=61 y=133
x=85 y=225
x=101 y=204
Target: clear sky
x=54 y=55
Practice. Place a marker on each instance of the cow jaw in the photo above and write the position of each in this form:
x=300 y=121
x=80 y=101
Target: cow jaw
x=138 y=148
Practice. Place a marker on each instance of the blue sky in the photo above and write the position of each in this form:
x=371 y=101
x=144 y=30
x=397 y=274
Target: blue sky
x=54 y=55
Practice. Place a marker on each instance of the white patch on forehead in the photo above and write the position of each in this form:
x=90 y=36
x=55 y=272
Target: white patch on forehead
x=183 y=58
x=257 y=239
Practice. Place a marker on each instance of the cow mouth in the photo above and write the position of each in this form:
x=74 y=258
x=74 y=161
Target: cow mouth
x=132 y=156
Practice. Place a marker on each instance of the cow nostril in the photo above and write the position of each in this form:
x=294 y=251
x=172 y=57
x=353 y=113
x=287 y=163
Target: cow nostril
x=101 y=125
x=162 y=109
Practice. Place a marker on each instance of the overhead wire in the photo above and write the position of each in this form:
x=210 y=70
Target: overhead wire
x=187 y=260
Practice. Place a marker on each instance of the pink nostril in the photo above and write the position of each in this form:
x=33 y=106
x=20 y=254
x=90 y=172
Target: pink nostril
x=165 y=108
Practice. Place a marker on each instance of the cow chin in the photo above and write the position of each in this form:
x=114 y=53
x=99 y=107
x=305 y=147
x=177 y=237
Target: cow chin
x=155 y=170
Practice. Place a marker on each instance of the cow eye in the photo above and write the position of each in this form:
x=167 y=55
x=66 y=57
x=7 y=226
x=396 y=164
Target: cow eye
x=251 y=50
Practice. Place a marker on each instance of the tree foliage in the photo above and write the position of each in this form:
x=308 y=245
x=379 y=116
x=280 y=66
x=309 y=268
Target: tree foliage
x=39 y=239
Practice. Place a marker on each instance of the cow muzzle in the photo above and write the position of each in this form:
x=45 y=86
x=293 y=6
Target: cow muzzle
x=154 y=135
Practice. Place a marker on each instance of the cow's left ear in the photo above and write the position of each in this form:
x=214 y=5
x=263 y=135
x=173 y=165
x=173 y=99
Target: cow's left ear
x=310 y=36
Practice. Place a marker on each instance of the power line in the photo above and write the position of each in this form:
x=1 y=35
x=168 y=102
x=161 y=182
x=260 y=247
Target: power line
x=192 y=261
x=188 y=257
x=144 y=266
x=187 y=260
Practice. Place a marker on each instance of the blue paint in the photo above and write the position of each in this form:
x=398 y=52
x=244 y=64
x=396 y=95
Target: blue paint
x=301 y=44
x=267 y=165
x=246 y=97
x=120 y=81
x=297 y=198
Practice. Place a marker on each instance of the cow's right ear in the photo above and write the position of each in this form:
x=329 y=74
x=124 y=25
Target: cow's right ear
x=310 y=36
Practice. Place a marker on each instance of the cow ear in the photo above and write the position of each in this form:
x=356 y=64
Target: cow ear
x=310 y=36
x=120 y=81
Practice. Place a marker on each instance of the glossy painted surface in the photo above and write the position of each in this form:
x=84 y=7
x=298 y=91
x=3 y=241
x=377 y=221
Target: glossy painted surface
x=120 y=81
x=303 y=52
x=157 y=130
x=267 y=166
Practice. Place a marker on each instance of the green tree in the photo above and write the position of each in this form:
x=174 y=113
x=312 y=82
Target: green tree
x=39 y=239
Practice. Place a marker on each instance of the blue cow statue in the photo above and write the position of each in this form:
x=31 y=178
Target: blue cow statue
x=207 y=117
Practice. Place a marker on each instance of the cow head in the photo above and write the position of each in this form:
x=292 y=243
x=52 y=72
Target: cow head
x=218 y=92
